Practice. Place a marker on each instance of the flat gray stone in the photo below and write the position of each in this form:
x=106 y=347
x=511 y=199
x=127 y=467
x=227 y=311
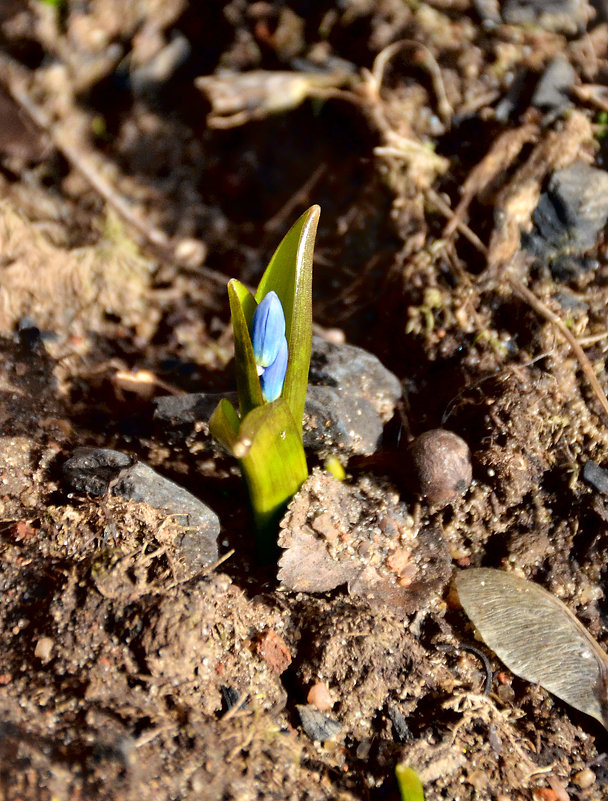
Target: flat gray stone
x=350 y=397
x=571 y=214
x=97 y=471
x=356 y=372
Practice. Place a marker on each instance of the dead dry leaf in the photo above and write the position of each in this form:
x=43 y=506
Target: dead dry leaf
x=237 y=98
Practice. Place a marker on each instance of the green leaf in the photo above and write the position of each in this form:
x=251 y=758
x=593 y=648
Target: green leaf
x=289 y=274
x=224 y=425
x=247 y=380
x=269 y=449
x=409 y=783
x=248 y=302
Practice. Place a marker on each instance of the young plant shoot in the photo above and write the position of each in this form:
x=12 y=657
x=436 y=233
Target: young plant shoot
x=272 y=343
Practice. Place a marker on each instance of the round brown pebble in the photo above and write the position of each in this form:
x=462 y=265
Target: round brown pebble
x=319 y=696
x=441 y=465
x=43 y=649
x=585 y=778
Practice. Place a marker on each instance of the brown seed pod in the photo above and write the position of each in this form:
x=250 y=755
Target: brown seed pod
x=441 y=462
x=537 y=637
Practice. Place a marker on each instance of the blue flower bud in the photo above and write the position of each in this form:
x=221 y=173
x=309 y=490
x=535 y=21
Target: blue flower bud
x=268 y=330
x=273 y=376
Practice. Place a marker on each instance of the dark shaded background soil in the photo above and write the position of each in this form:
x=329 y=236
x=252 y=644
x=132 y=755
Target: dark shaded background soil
x=129 y=195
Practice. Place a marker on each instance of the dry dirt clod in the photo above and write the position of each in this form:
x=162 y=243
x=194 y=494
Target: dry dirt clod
x=441 y=462
x=271 y=647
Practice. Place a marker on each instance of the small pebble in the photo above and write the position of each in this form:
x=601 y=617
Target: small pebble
x=320 y=697
x=545 y=794
x=441 y=465
x=43 y=649
x=317 y=726
x=596 y=476
x=585 y=778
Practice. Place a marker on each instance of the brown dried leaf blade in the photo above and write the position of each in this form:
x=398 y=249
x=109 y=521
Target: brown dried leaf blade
x=537 y=637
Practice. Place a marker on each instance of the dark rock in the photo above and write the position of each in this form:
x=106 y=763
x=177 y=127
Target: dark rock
x=513 y=98
x=356 y=372
x=566 y=268
x=552 y=91
x=192 y=408
x=570 y=302
x=178 y=414
x=333 y=420
x=560 y=16
x=317 y=725
x=91 y=470
x=336 y=421
x=230 y=697
x=350 y=396
x=596 y=477
x=401 y=731
x=97 y=471
x=570 y=214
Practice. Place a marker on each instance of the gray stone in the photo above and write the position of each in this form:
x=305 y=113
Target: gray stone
x=596 y=477
x=317 y=725
x=401 y=730
x=552 y=91
x=337 y=421
x=97 y=471
x=560 y=16
x=571 y=214
x=350 y=397
x=357 y=372
x=178 y=414
x=91 y=470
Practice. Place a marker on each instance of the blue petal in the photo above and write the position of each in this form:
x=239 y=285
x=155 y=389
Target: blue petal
x=267 y=330
x=273 y=376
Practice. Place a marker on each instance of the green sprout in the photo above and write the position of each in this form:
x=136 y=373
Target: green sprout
x=272 y=343
x=410 y=786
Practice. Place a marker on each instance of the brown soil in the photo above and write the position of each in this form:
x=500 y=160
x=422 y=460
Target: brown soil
x=129 y=196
